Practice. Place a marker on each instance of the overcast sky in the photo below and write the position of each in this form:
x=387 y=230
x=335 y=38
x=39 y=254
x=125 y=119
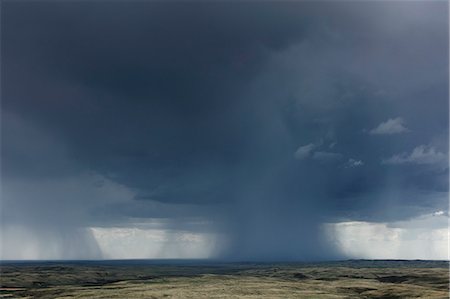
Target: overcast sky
x=250 y=124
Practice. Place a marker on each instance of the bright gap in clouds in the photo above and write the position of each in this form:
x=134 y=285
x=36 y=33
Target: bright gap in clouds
x=424 y=237
x=139 y=243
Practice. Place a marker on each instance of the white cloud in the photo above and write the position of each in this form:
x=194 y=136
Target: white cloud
x=424 y=237
x=351 y=163
x=438 y=213
x=389 y=127
x=304 y=151
x=422 y=154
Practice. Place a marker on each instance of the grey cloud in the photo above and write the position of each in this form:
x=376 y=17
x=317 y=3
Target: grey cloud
x=304 y=151
x=326 y=156
x=196 y=111
x=354 y=163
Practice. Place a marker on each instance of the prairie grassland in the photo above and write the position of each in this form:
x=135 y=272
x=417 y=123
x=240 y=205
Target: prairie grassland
x=369 y=279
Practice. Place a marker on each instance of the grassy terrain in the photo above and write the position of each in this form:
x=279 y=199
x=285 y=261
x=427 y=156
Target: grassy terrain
x=141 y=279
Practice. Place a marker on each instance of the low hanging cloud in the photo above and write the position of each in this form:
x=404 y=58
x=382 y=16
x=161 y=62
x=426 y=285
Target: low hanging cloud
x=422 y=154
x=390 y=127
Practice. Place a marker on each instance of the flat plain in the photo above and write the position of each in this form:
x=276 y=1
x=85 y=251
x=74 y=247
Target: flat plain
x=201 y=279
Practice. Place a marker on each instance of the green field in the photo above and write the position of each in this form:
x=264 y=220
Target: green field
x=145 y=279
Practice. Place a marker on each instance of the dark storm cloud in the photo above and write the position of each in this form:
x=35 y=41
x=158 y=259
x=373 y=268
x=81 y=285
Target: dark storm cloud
x=200 y=110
